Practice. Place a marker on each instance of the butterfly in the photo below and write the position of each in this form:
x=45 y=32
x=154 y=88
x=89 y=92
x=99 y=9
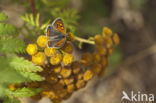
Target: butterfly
x=56 y=34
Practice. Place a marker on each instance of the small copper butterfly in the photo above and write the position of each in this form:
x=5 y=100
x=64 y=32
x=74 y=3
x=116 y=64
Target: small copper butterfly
x=56 y=34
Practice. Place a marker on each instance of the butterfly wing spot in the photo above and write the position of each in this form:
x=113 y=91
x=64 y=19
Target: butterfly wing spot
x=58 y=23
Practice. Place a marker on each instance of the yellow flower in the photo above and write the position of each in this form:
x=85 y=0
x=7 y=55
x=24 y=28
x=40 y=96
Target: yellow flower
x=67 y=59
x=39 y=58
x=70 y=88
x=116 y=39
x=109 y=42
x=55 y=60
x=49 y=94
x=101 y=50
x=66 y=72
x=88 y=74
x=71 y=36
x=80 y=84
x=68 y=81
x=32 y=49
x=68 y=48
x=86 y=59
x=99 y=39
x=50 y=51
x=79 y=76
x=42 y=41
x=107 y=31
x=56 y=69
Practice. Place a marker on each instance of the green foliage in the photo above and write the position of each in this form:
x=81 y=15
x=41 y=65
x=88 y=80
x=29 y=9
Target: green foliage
x=14 y=69
x=31 y=76
x=22 y=65
x=24 y=92
x=3 y=17
x=31 y=20
x=7 y=29
x=12 y=45
x=32 y=25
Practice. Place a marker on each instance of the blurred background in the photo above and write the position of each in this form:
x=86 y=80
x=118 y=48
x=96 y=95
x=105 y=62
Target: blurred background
x=133 y=63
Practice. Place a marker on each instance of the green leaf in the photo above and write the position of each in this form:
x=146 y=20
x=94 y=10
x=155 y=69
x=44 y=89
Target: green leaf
x=12 y=45
x=3 y=16
x=22 y=65
x=37 y=20
x=6 y=29
x=8 y=74
x=11 y=100
x=31 y=76
x=30 y=19
x=24 y=92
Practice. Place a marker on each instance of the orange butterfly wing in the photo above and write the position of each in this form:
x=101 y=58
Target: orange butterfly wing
x=59 y=25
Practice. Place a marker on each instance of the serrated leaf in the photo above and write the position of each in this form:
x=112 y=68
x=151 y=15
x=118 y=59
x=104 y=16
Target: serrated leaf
x=31 y=76
x=22 y=65
x=37 y=20
x=3 y=16
x=24 y=92
x=6 y=29
x=8 y=74
x=12 y=45
x=32 y=19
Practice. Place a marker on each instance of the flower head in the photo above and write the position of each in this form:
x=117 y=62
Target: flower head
x=68 y=59
x=50 y=51
x=67 y=48
x=107 y=31
x=55 y=60
x=88 y=74
x=39 y=58
x=32 y=49
x=99 y=39
x=116 y=39
x=42 y=41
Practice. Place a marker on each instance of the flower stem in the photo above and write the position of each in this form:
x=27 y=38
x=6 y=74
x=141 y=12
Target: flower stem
x=84 y=40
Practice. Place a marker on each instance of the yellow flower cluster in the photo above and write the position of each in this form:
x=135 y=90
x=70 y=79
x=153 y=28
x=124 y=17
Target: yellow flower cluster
x=62 y=74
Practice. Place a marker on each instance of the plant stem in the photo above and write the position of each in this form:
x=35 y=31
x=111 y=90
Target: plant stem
x=84 y=40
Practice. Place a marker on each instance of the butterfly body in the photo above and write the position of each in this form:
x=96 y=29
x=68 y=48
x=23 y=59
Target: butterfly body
x=56 y=34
